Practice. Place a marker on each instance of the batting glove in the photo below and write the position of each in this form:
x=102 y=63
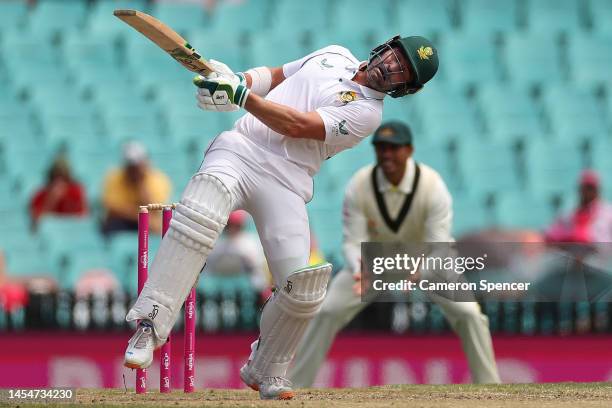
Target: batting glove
x=220 y=68
x=221 y=93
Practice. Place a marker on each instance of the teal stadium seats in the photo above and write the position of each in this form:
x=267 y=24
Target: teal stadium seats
x=88 y=51
x=17 y=124
x=590 y=59
x=404 y=110
x=102 y=24
x=253 y=15
x=96 y=77
x=123 y=250
x=447 y=113
x=523 y=211
x=599 y=13
x=13 y=14
x=469 y=215
x=489 y=167
x=23 y=65
x=263 y=49
x=553 y=168
x=554 y=16
x=428 y=18
x=523 y=52
x=575 y=113
x=437 y=154
x=510 y=113
x=149 y=66
x=80 y=263
x=181 y=17
x=132 y=117
x=313 y=16
x=228 y=47
x=355 y=16
x=475 y=60
x=50 y=17
x=601 y=151
x=79 y=235
x=491 y=18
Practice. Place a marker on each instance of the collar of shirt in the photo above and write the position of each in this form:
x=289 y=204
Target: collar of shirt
x=350 y=71
x=405 y=186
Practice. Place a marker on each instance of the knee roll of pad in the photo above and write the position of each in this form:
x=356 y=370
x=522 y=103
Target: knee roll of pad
x=202 y=213
x=304 y=291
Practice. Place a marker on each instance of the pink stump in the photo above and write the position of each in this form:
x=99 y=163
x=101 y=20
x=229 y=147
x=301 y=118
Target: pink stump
x=189 y=351
x=143 y=269
x=166 y=349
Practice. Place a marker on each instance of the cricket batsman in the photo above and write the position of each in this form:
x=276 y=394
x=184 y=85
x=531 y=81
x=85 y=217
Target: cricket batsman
x=396 y=200
x=298 y=115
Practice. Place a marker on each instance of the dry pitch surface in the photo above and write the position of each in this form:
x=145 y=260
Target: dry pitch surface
x=415 y=396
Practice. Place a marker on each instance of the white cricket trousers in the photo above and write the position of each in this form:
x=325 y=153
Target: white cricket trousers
x=279 y=213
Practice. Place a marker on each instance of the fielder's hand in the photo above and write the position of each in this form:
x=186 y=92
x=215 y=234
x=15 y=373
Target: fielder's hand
x=221 y=93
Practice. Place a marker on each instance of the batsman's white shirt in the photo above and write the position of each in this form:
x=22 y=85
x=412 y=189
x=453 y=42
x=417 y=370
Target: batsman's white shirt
x=321 y=82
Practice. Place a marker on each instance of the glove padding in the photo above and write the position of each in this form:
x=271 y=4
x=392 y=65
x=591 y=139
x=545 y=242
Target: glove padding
x=220 y=68
x=221 y=92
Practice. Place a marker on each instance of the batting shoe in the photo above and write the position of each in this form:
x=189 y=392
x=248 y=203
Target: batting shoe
x=249 y=377
x=275 y=388
x=139 y=352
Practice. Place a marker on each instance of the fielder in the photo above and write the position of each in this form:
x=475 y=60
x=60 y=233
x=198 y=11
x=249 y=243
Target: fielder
x=299 y=115
x=396 y=200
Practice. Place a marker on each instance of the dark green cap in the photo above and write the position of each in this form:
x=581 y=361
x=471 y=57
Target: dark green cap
x=423 y=58
x=393 y=132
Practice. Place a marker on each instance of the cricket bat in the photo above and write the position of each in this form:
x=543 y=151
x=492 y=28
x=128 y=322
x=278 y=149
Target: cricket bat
x=167 y=39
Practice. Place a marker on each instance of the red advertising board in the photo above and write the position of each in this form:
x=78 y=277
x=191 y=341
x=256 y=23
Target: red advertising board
x=94 y=360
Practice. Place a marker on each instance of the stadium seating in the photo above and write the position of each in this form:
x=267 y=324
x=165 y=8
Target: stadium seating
x=50 y=18
x=589 y=58
x=553 y=168
x=574 y=113
x=475 y=60
x=12 y=14
x=182 y=17
x=489 y=167
x=430 y=18
x=510 y=113
x=359 y=16
x=489 y=18
x=599 y=12
x=554 y=16
x=523 y=52
x=253 y=15
x=523 y=211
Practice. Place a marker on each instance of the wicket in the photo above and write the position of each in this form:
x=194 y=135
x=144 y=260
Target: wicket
x=190 y=308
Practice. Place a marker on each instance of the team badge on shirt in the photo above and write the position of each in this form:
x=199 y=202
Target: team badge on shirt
x=347 y=96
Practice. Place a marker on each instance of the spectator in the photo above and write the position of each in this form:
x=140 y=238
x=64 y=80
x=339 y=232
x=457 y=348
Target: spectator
x=126 y=188
x=13 y=292
x=590 y=222
x=239 y=252
x=61 y=195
